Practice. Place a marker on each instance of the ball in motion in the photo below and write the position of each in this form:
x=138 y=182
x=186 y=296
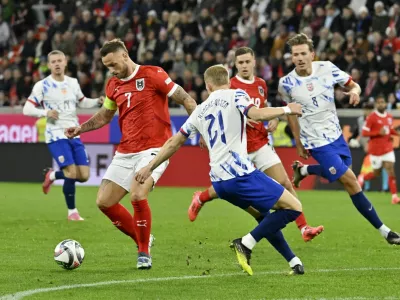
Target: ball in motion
x=69 y=254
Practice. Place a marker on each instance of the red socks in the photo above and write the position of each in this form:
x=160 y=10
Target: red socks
x=122 y=219
x=142 y=224
x=301 y=221
x=205 y=196
x=393 y=185
x=369 y=176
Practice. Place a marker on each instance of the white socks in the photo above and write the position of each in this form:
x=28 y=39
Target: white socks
x=71 y=211
x=384 y=230
x=295 y=261
x=52 y=176
x=303 y=170
x=249 y=241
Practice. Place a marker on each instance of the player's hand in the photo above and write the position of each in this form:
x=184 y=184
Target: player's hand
x=250 y=122
x=143 y=174
x=52 y=114
x=101 y=100
x=354 y=98
x=73 y=132
x=295 y=109
x=302 y=152
x=384 y=131
x=202 y=143
x=272 y=125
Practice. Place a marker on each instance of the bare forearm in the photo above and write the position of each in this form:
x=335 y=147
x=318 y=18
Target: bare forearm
x=266 y=114
x=101 y=118
x=169 y=148
x=295 y=127
x=181 y=97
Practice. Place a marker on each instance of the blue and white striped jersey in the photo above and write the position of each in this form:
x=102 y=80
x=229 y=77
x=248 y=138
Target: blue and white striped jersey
x=319 y=124
x=221 y=120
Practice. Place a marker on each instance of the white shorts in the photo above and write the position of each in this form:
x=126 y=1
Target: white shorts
x=123 y=167
x=377 y=161
x=265 y=157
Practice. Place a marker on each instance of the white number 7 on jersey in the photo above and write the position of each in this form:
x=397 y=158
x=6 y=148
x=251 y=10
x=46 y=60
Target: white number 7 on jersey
x=128 y=95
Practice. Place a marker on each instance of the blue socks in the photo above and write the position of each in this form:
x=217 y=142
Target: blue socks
x=60 y=175
x=279 y=243
x=366 y=209
x=69 y=192
x=314 y=170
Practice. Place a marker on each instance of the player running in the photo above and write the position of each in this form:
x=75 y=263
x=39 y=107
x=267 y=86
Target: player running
x=140 y=93
x=56 y=97
x=221 y=121
x=261 y=153
x=318 y=131
x=379 y=128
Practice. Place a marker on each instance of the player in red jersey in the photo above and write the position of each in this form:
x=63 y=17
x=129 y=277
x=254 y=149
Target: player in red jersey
x=379 y=128
x=260 y=151
x=140 y=93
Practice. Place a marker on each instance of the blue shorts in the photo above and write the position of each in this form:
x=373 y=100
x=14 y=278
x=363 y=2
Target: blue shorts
x=255 y=189
x=334 y=158
x=69 y=152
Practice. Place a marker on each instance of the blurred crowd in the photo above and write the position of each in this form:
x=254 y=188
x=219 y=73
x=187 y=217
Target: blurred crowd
x=186 y=37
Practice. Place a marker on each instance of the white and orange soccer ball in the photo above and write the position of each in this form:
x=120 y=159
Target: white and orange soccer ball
x=69 y=254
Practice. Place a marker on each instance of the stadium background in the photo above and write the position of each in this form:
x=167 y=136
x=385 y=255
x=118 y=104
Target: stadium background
x=186 y=37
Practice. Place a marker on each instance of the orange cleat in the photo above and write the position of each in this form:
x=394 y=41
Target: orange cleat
x=195 y=206
x=395 y=199
x=47 y=181
x=75 y=217
x=311 y=232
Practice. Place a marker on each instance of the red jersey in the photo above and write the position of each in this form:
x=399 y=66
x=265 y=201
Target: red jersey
x=379 y=144
x=142 y=101
x=257 y=137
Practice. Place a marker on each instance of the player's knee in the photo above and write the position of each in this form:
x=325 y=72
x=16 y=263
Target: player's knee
x=286 y=184
x=83 y=177
x=101 y=202
x=70 y=172
x=139 y=194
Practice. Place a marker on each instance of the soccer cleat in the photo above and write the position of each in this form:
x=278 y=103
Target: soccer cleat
x=297 y=270
x=393 y=238
x=195 y=206
x=395 y=199
x=243 y=255
x=360 y=179
x=311 y=232
x=143 y=261
x=151 y=241
x=297 y=177
x=75 y=217
x=47 y=181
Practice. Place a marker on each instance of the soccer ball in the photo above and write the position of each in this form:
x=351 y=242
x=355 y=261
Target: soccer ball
x=69 y=254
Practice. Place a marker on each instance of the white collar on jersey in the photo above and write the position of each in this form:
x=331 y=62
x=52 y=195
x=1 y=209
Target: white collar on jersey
x=245 y=80
x=132 y=75
x=381 y=115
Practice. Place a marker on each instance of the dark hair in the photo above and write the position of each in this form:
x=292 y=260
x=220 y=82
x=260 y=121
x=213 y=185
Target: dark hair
x=243 y=50
x=301 y=39
x=112 y=46
x=380 y=96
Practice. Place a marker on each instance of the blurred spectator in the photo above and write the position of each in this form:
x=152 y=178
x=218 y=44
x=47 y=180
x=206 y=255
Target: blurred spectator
x=392 y=39
x=148 y=43
x=264 y=43
x=380 y=20
x=364 y=21
x=384 y=85
x=166 y=62
x=191 y=65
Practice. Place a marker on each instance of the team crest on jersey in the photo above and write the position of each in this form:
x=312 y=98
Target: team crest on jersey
x=61 y=158
x=140 y=84
x=332 y=170
x=310 y=86
x=261 y=90
x=64 y=91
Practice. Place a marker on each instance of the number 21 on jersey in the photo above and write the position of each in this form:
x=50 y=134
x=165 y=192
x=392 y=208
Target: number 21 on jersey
x=213 y=136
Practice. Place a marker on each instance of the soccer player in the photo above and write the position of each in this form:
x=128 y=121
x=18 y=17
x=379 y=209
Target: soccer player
x=56 y=97
x=379 y=128
x=140 y=93
x=261 y=153
x=221 y=121
x=317 y=131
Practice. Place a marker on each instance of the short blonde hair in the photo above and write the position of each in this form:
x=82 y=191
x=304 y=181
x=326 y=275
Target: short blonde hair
x=217 y=75
x=55 y=52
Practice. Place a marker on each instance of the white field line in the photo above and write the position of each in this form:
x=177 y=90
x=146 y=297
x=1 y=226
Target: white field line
x=22 y=294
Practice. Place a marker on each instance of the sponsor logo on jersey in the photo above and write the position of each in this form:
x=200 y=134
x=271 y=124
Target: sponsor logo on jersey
x=332 y=170
x=261 y=90
x=310 y=86
x=140 y=84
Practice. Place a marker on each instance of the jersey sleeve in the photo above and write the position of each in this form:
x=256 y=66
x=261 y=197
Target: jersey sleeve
x=109 y=102
x=368 y=130
x=242 y=101
x=191 y=126
x=284 y=89
x=36 y=96
x=339 y=77
x=78 y=92
x=163 y=83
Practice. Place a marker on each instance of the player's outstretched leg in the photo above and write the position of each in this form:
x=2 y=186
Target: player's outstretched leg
x=49 y=177
x=199 y=198
x=69 y=194
x=366 y=208
x=301 y=171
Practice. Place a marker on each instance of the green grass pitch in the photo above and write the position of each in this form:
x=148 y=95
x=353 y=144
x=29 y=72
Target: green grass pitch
x=350 y=260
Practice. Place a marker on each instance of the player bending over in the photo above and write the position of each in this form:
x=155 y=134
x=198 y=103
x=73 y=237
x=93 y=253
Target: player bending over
x=221 y=120
x=261 y=153
x=56 y=97
x=140 y=93
x=318 y=131
x=379 y=128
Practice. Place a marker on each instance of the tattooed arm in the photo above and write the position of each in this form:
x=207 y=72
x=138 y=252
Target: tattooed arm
x=183 y=98
x=101 y=118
